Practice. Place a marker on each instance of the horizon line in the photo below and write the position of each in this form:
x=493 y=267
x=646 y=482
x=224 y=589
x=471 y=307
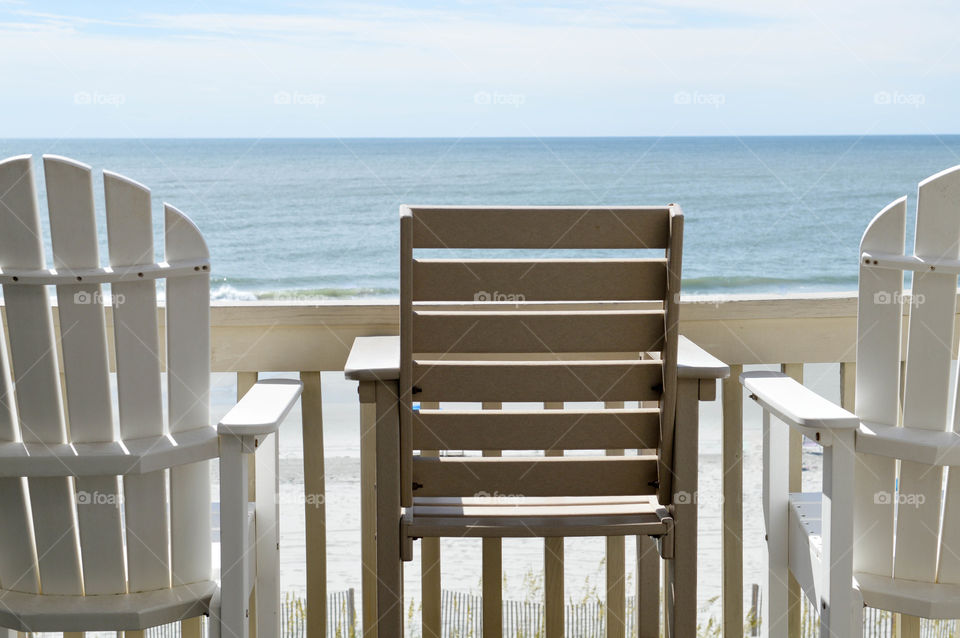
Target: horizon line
x=488 y=137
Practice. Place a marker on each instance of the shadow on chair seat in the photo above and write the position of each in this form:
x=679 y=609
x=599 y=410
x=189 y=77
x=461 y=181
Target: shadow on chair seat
x=510 y=516
x=43 y=612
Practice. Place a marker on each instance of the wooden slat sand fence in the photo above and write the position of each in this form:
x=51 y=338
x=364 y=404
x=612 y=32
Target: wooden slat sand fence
x=341 y=615
x=463 y=617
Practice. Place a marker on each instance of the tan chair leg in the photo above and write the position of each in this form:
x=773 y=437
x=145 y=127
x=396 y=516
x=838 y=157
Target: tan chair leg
x=648 y=588
x=554 y=607
x=430 y=587
x=389 y=564
x=616 y=587
x=682 y=569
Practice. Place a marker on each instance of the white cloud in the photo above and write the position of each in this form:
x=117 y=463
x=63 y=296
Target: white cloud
x=384 y=70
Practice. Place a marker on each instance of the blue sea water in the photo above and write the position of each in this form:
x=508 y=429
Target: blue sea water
x=317 y=218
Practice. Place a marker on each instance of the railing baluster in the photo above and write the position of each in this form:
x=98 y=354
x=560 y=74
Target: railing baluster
x=492 y=580
x=191 y=627
x=616 y=608
x=315 y=510
x=794 y=593
x=732 y=478
x=553 y=568
x=430 y=584
x=245 y=381
x=848 y=385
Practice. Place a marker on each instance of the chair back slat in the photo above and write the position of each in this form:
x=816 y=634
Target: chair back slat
x=877 y=394
x=539 y=280
x=83 y=338
x=188 y=394
x=130 y=240
x=537 y=331
x=943 y=190
x=536 y=429
x=478 y=331
x=36 y=374
x=477 y=381
x=540 y=227
x=537 y=476
x=926 y=384
x=18 y=560
x=29 y=320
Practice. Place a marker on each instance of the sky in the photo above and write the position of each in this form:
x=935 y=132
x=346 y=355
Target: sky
x=473 y=68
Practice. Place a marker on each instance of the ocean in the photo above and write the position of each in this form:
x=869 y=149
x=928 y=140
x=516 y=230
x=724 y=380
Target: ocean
x=317 y=220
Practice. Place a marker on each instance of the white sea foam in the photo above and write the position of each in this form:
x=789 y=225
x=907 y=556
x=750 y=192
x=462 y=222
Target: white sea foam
x=226 y=292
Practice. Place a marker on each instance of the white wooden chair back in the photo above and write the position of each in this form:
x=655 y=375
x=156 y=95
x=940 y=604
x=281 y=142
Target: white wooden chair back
x=61 y=534
x=915 y=546
x=509 y=330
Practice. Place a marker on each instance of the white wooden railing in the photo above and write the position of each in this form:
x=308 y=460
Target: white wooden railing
x=251 y=338
x=789 y=331
x=740 y=330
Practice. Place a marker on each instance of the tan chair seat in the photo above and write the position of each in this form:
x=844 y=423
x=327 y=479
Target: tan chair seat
x=517 y=516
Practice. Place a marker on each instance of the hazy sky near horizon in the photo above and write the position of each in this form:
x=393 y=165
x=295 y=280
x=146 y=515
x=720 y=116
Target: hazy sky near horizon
x=478 y=68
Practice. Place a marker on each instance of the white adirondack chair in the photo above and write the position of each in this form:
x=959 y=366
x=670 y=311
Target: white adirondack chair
x=105 y=527
x=876 y=535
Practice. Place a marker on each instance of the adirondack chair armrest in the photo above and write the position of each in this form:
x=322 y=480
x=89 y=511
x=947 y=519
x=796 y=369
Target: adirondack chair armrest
x=262 y=408
x=374 y=359
x=693 y=362
x=796 y=405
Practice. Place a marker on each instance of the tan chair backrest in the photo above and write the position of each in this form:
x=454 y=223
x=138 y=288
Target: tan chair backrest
x=543 y=331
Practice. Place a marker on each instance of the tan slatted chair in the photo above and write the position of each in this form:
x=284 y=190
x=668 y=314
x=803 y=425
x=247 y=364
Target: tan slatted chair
x=105 y=525
x=548 y=332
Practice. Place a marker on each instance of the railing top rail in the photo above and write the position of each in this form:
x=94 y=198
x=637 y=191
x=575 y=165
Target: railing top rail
x=293 y=335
